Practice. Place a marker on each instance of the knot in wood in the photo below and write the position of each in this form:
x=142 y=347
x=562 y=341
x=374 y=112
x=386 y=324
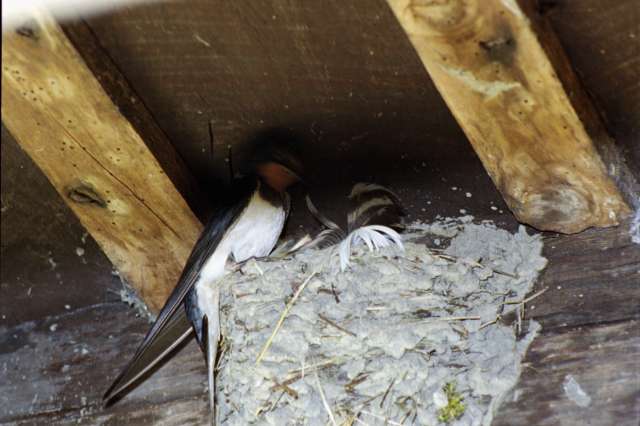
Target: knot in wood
x=84 y=193
x=441 y=15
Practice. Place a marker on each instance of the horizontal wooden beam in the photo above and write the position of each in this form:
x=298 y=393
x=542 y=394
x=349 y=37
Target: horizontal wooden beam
x=498 y=80
x=60 y=115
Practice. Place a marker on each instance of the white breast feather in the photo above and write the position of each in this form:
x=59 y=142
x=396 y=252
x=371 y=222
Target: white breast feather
x=254 y=234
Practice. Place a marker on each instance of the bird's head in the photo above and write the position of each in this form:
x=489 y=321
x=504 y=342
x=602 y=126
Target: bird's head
x=276 y=159
x=276 y=175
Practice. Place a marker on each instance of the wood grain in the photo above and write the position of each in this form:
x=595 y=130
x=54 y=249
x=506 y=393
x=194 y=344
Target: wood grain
x=352 y=103
x=616 y=156
x=60 y=115
x=499 y=82
x=133 y=109
x=592 y=278
x=604 y=360
x=57 y=368
x=43 y=248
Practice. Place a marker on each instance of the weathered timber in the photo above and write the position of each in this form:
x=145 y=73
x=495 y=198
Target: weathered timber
x=592 y=278
x=499 y=82
x=337 y=91
x=602 y=40
x=360 y=105
x=617 y=158
x=56 y=370
x=135 y=112
x=43 y=247
x=604 y=360
x=60 y=115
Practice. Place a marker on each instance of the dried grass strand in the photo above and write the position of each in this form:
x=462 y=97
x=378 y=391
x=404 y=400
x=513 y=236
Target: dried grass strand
x=470 y=262
x=517 y=307
x=384 y=419
x=337 y=326
x=325 y=403
x=283 y=316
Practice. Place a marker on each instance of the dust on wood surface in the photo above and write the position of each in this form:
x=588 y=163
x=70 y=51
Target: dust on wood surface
x=60 y=115
x=58 y=368
x=360 y=106
x=497 y=79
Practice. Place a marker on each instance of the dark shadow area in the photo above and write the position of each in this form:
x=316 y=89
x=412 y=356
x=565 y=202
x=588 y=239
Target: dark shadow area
x=344 y=79
x=443 y=177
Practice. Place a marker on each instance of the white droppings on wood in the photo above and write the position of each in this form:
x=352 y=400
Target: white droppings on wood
x=514 y=8
x=490 y=89
x=129 y=296
x=574 y=392
x=201 y=40
x=634 y=230
x=52 y=263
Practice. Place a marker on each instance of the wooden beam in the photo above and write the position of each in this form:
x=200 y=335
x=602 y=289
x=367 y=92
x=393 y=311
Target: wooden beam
x=61 y=116
x=135 y=111
x=499 y=82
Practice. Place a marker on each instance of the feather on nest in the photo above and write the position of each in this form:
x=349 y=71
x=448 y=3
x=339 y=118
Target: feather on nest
x=373 y=220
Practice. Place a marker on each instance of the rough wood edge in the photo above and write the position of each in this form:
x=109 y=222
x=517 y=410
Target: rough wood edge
x=627 y=181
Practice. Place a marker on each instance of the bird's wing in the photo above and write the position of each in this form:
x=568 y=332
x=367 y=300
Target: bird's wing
x=333 y=234
x=172 y=322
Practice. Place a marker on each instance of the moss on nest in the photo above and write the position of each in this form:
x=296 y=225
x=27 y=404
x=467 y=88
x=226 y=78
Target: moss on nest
x=454 y=408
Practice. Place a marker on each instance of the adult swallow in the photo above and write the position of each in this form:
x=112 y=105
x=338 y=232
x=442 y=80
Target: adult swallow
x=246 y=225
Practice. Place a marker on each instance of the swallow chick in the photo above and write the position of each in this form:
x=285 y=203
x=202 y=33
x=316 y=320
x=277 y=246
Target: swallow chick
x=246 y=225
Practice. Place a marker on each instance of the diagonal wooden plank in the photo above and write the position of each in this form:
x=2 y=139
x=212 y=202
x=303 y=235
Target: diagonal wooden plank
x=60 y=115
x=490 y=67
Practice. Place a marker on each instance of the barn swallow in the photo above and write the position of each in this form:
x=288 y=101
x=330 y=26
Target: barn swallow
x=247 y=225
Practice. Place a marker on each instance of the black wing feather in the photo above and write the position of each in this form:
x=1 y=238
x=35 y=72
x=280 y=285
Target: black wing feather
x=172 y=321
x=177 y=330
